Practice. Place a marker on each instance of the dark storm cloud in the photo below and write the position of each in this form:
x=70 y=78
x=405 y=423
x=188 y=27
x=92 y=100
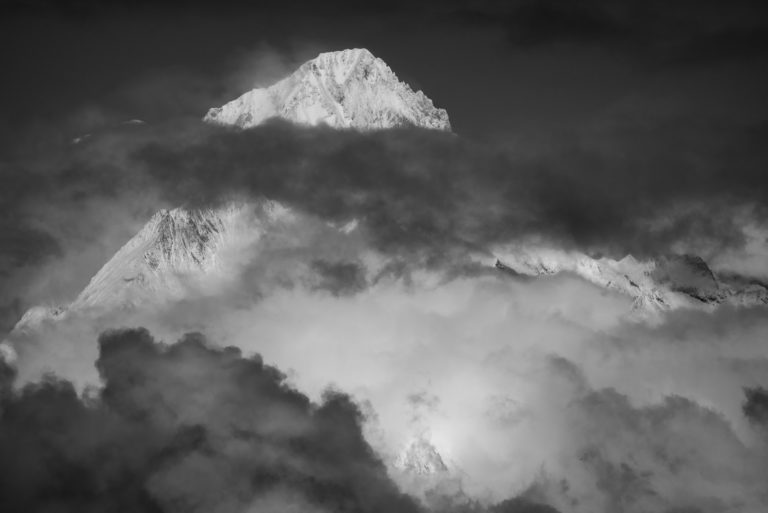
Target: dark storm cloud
x=633 y=190
x=24 y=245
x=185 y=428
x=47 y=185
x=20 y=241
x=339 y=277
x=676 y=422
x=520 y=505
x=756 y=405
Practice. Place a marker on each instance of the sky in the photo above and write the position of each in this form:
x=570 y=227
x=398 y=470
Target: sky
x=294 y=378
x=501 y=68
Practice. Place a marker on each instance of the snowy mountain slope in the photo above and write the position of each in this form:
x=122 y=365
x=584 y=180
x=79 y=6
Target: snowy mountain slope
x=173 y=244
x=344 y=89
x=178 y=253
x=658 y=284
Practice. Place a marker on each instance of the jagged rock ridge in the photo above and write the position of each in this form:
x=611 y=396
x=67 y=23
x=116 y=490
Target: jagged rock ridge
x=659 y=284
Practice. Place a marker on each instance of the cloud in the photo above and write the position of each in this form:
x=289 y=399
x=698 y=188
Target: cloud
x=340 y=277
x=536 y=389
x=190 y=427
x=519 y=505
x=756 y=405
x=629 y=189
x=640 y=458
x=520 y=381
x=186 y=428
x=63 y=219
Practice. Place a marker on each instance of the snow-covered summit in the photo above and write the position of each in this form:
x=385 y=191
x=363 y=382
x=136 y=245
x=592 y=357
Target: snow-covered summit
x=344 y=89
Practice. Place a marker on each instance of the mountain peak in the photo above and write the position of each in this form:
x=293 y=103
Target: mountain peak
x=343 y=89
x=173 y=243
x=421 y=458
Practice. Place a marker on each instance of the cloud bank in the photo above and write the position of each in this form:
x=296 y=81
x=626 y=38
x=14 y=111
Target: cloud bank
x=534 y=388
x=187 y=427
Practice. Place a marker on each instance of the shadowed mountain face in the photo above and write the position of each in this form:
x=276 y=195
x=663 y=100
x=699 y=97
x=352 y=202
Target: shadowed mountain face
x=688 y=274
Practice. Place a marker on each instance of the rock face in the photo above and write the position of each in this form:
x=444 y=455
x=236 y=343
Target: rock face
x=345 y=89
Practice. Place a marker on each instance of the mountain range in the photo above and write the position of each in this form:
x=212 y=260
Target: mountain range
x=353 y=89
x=181 y=250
